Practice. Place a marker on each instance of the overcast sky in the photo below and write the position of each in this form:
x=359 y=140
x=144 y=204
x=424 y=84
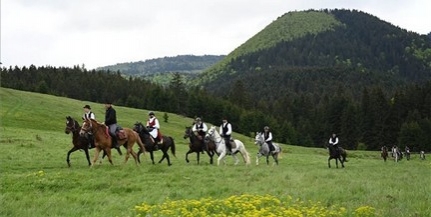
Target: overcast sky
x=106 y=32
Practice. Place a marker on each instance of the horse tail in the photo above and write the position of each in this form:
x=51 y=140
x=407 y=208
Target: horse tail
x=140 y=143
x=244 y=154
x=173 y=146
x=279 y=153
x=344 y=154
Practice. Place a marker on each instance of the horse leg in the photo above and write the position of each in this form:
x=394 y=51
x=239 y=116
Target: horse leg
x=73 y=149
x=329 y=162
x=267 y=159
x=198 y=156
x=342 y=162
x=275 y=156
x=236 y=159
x=88 y=156
x=152 y=156
x=96 y=155
x=108 y=152
x=211 y=155
x=220 y=157
x=187 y=156
x=257 y=159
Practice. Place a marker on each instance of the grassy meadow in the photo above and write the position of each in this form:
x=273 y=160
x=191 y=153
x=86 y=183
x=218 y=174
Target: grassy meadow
x=36 y=181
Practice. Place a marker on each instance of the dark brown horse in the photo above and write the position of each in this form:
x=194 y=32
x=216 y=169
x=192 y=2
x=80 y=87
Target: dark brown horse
x=79 y=142
x=198 y=145
x=104 y=142
x=168 y=142
x=384 y=153
x=339 y=154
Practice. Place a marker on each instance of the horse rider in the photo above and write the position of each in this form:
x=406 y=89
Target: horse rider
x=88 y=114
x=200 y=129
x=111 y=122
x=153 y=126
x=407 y=149
x=226 y=132
x=334 y=142
x=267 y=135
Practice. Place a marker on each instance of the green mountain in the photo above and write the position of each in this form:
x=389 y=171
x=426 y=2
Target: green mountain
x=319 y=52
x=159 y=70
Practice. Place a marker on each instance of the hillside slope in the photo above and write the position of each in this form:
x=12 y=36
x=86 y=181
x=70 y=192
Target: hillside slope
x=364 y=49
x=158 y=70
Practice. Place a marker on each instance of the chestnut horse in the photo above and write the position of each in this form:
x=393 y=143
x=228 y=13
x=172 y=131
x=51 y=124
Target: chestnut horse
x=104 y=142
x=79 y=142
x=198 y=145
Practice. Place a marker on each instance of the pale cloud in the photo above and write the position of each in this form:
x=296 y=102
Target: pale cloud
x=104 y=32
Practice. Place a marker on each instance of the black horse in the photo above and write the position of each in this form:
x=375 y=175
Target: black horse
x=79 y=142
x=198 y=145
x=168 y=142
x=339 y=154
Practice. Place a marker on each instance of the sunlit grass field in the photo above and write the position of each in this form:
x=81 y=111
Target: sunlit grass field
x=36 y=181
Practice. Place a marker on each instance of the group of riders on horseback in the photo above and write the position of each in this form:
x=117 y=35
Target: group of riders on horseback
x=114 y=130
x=153 y=126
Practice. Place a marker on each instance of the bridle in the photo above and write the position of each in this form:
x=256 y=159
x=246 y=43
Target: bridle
x=211 y=134
x=73 y=128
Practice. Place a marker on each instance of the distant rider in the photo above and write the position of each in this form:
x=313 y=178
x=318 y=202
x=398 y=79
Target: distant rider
x=267 y=134
x=226 y=132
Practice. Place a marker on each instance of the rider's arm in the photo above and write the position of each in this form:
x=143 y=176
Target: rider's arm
x=229 y=129
x=269 y=137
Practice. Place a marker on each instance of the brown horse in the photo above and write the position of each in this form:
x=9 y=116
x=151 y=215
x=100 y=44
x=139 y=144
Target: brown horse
x=198 y=145
x=104 y=142
x=384 y=153
x=338 y=155
x=79 y=142
x=168 y=142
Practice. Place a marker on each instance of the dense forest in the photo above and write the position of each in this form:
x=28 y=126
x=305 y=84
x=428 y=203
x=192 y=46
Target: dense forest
x=402 y=118
x=161 y=70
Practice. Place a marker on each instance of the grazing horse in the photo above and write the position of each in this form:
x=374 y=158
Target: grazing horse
x=79 y=142
x=264 y=149
x=168 y=142
x=198 y=145
x=104 y=142
x=221 y=149
x=340 y=155
x=422 y=155
x=384 y=153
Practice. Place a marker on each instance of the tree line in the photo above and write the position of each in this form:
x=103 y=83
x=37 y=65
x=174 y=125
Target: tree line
x=305 y=119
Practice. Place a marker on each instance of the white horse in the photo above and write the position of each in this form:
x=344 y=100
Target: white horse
x=221 y=149
x=422 y=155
x=264 y=149
x=395 y=153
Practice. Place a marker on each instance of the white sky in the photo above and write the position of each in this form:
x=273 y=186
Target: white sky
x=105 y=32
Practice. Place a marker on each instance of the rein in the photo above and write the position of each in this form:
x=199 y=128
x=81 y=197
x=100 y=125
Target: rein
x=73 y=128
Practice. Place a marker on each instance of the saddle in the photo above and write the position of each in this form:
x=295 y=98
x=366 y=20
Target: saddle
x=232 y=144
x=121 y=134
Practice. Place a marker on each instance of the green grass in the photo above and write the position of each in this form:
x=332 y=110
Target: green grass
x=35 y=179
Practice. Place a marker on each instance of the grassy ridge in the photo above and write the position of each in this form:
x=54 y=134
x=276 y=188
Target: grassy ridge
x=290 y=26
x=35 y=179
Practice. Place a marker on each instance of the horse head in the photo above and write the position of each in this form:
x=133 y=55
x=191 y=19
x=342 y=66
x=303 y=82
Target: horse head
x=71 y=125
x=140 y=128
x=211 y=133
x=87 y=126
x=188 y=133
x=259 y=140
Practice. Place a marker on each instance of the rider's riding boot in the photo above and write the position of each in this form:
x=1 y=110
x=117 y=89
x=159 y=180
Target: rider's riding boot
x=156 y=146
x=114 y=142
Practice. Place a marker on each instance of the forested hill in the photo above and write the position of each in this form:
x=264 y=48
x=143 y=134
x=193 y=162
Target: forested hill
x=158 y=70
x=321 y=51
